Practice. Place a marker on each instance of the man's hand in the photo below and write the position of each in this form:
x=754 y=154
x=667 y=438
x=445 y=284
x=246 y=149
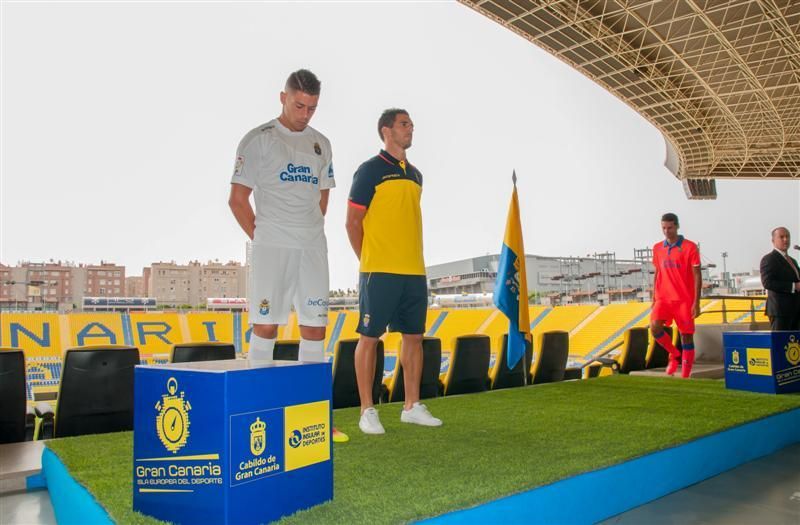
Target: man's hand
x=355 y=226
x=239 y=201
x=696 y=310
x=797 y=286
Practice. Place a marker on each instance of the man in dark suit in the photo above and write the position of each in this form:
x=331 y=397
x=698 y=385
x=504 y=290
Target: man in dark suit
x=780 y=276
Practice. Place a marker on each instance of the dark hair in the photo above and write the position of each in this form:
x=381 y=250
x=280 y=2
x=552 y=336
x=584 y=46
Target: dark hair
x=387 y=119
x=670 y=217
x=305 y=81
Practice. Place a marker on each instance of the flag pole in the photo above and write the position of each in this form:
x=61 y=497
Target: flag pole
x=525 y=349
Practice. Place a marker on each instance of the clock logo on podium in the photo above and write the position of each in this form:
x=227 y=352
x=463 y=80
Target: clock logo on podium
x=172 y=422
x=792 y=350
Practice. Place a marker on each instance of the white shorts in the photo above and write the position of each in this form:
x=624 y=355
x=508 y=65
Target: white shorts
x=282 y=277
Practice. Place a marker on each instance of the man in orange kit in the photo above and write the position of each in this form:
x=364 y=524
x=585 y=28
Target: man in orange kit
x=676 y=293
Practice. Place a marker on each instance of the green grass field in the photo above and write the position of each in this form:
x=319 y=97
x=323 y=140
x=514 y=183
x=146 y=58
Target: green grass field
x=491 y=445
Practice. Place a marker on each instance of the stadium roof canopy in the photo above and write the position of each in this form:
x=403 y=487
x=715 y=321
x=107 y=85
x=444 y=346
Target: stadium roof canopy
x=720 y=79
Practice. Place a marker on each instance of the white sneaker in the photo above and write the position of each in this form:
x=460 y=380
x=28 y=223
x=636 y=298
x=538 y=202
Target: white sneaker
x=370 y=423
x=419 y=415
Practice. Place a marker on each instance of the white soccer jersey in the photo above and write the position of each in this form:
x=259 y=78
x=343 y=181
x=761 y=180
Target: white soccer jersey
x=286 y=170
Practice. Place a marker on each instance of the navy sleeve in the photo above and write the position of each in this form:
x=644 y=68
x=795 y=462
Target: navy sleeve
x=363 y=187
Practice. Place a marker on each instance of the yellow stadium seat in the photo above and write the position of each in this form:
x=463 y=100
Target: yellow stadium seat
x=458 y=322
x=605 y=328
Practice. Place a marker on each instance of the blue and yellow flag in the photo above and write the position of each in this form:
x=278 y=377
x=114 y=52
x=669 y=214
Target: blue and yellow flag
x=511 y=287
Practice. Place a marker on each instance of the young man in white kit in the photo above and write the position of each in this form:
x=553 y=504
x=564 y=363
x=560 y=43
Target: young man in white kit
x=287 y=165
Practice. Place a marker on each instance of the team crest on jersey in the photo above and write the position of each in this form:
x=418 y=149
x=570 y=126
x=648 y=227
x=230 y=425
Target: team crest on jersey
x=263 y=308
x=317 y=149
x=237 y=169
x=366 y=320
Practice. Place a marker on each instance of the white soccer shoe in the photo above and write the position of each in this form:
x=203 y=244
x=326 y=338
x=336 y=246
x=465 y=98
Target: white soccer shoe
x=370 y=423
x=420 y=415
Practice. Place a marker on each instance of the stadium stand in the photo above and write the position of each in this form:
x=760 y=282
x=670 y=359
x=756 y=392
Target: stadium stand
x=96 y=329
x=210 y=327
x=495 y=325
x=606 y=328
x=593 y=330
x=155 y=333
x=469 y=365
x=456 y=322
x=537 y=313
x=564 y=318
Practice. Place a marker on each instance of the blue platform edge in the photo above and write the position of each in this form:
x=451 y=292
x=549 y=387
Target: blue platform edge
x=638 y=481
x=72 y=503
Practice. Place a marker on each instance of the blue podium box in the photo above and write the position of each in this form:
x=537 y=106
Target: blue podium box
x=766 y=362
x=231 y=441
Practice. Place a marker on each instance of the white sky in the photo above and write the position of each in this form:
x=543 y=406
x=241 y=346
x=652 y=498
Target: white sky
x=120 y=124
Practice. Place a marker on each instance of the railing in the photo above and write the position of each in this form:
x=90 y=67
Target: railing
x=725 y=310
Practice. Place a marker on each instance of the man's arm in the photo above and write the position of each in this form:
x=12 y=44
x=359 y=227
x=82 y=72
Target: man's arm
x=355 y=226
x=698 y=286
x=654 y=262
x=323 y=201
x=239 y=201
x=770 y=278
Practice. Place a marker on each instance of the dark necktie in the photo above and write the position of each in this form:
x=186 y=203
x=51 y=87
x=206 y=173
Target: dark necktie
x=791 y=263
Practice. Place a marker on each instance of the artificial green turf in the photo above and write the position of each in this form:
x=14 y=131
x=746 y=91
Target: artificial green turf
x=491 y=445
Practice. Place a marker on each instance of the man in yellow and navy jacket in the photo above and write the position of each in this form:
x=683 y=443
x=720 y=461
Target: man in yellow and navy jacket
x=384 y=224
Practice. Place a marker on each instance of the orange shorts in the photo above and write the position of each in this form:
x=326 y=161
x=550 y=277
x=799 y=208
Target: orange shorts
x=678 y=311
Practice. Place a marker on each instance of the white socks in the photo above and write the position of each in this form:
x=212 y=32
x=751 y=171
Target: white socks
x=260 y=348
x=311 y=351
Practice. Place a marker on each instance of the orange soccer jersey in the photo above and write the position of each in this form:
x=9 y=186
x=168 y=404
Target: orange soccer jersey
x=675 y=277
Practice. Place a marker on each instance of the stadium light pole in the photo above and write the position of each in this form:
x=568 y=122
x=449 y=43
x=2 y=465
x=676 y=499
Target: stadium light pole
x=725 y=269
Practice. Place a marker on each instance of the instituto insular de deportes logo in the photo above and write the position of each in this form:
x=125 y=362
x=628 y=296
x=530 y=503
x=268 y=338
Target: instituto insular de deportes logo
x=735 y=357
x=172 y=421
